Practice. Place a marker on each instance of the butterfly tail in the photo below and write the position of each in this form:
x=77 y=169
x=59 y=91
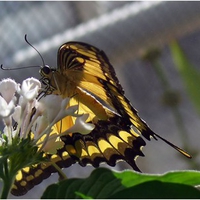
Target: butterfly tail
x=183 y=152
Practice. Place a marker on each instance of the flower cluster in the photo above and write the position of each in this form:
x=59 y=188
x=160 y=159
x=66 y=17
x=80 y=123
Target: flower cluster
x=36 y=117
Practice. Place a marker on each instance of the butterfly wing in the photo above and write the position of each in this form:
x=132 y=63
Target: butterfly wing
x=98 y=80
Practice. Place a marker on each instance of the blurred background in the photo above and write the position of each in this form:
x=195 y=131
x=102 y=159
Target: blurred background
x=154 y=48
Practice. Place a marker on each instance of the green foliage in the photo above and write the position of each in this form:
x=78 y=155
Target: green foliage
x=15 y=156
x=104 y=183
x=189 y=74
x=19 y=154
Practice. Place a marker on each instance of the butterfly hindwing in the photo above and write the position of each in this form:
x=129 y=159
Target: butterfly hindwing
x=108 y=142
x=28 y=177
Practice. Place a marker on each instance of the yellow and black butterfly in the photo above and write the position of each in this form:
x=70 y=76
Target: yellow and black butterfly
x=85 y=73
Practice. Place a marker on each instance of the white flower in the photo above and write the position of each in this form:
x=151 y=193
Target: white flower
x=55 y=108
x=7 y=89
x=52 y=144
x=9 y=130
x=51 y=105
x=6 y=109
x=39 y=126
x=66 y=112
x=17 y=113
x=81 y=126
x=30 y=88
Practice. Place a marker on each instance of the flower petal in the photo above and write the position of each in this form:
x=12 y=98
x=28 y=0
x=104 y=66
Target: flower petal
x=52 y=105
x=8 y=89
x=81 y=126
x=53 y=144
x=17 y=113
x=30 y=88
x=5 y=108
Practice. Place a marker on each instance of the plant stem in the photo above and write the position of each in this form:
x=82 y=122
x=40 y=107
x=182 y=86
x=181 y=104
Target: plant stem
x=60 y=172
x=7 y=182
x=6 y=188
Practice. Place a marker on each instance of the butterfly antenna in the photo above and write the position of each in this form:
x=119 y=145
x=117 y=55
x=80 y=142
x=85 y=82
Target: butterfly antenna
x=26 y=66
x=25 y=37
x=3 y=67
x=16 y=68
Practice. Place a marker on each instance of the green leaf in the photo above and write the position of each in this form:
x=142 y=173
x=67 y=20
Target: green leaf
x=83 y=196
x=52 y=191
x=189 y=74
x=104 y=183
x=158 y=189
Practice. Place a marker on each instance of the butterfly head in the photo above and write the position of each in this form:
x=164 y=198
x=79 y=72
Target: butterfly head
x=47 y=75
x=45 y=71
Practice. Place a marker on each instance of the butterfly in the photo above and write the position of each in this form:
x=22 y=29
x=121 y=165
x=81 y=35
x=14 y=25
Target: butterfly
x=84 y=73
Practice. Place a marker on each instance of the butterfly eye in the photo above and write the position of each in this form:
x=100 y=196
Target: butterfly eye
x=46 y=70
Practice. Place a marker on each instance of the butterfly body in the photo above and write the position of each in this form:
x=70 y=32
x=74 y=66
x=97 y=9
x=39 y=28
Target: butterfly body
x=85 y=74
